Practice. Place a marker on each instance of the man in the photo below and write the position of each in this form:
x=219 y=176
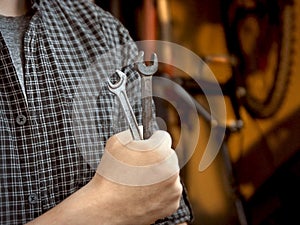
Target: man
x=49 y=50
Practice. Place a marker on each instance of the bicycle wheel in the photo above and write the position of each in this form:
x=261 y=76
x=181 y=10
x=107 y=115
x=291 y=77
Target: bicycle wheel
x=260 y=34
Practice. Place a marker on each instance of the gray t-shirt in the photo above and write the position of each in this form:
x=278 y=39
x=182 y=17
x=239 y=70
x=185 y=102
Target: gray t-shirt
x=13 y=30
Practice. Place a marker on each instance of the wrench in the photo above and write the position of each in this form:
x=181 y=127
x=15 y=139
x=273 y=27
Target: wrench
x=146 y=74
x=119 y=90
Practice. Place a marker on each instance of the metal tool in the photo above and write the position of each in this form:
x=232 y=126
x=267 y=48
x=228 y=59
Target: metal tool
x=120 y=91
x=146 y=73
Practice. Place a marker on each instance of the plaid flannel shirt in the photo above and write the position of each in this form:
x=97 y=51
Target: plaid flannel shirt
x=51 y=142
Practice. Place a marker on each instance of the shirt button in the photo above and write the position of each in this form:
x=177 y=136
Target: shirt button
x=21 y=119
x=33 y=198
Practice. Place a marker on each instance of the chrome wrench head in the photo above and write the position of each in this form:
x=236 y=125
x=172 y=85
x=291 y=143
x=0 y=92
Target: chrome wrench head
x=143 y=68
x=119 y=89
x=119 y=86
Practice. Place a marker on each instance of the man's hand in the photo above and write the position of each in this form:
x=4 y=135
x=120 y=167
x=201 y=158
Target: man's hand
x=106 y=201
x=142 y=176
x=137 y=205
x=138 y=163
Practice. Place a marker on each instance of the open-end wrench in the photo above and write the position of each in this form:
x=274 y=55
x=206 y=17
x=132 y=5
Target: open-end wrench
x=120 y=91
x=146 y=73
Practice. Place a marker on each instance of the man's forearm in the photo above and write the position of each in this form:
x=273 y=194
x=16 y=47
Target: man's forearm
x=72 y=211
x=107 y=201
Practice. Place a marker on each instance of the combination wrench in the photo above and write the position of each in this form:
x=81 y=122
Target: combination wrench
x=119 y=89
x=146 y=74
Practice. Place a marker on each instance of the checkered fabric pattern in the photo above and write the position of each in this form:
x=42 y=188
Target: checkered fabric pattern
x=51 y=143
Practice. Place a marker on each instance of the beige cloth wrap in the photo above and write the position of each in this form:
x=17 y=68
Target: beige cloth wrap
x=138 y=163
